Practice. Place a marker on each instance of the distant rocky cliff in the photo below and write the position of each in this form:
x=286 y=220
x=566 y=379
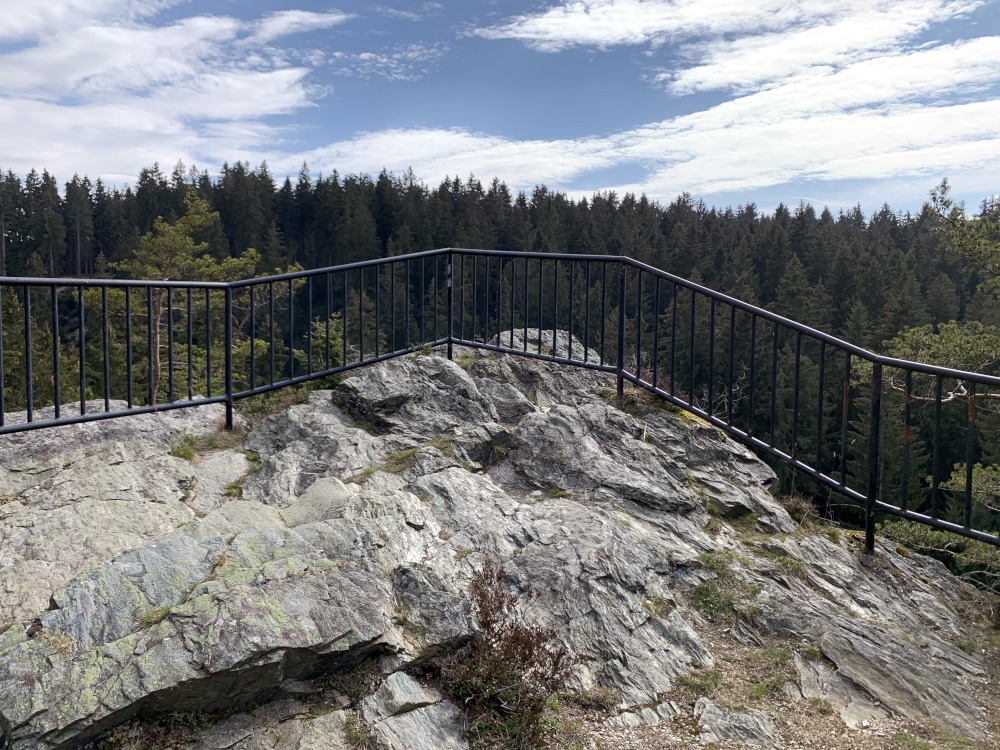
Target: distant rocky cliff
x=285 y=588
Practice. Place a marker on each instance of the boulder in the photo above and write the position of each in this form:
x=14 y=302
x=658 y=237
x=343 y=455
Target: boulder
x=166 y=585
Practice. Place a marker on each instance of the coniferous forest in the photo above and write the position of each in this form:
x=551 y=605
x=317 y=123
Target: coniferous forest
x=890 y=282
x=864 y=278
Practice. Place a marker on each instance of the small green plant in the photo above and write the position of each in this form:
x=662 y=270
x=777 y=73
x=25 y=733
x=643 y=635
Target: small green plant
x=509 y=673
x=812 y=653
x=399 y=461
x=185 y=448
x=155 y=615
x=703 y=682
x=444 y=443
x=358 y=734
x=658 y=606
x=598 y=698
x=555 y=492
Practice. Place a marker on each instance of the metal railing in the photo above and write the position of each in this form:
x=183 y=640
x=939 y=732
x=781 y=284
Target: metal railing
x=895 y=437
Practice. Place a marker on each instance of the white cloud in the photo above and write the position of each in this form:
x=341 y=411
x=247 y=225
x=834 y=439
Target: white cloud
x=763 y=60
x=286 y=22
x=22 y=20
x=406 y=63
x=99 y=59
x=872 y=120
x=608 y=23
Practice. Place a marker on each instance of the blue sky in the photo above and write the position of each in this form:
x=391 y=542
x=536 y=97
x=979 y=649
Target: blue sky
x=733 y=101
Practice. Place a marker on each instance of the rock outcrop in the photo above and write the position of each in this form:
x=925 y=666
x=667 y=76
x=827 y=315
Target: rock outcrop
x=343 y=534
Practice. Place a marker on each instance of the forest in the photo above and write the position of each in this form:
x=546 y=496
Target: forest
x=917 y=286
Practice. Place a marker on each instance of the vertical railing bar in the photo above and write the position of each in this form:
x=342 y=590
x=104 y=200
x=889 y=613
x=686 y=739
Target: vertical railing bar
x=936 y=450
x=795 y=395
x=586 y=314
x=499 y=299
x=572 y=279
x=378 y=306
x=437 y=275
x=907 y=438
x=190 y=345
x=309 y=325
x=150 y=395
x=3 y=406
x=208 y=342
x=555 y=307
x=106 y=334
x=227 y=345
x=732 y=365
x=621 y=330
x=328 y=288
x=361 y=315
x=451 y=304
x=291 y=331
x=673 y=338
x=774 y=383
x=638 y=323
x=819 y=406
x=170 y=344
x=270 y=325
x=83 y=349
x=711 y=356
x=54 y=303
x=253 y=337
x=343 y=320
x=970 y=439
x=752 y=380
x=406 y=300
x=486 y=302
x=524 y=337
x=604 y=305
x=423 y=287
x=128 y=346
x=29 y=385
x=844 y=415
x=392 y=304
x=541 y=273
x=873 y=456
x=656 y=333
x=691 y=350
x=461 y=304
x=513 y=298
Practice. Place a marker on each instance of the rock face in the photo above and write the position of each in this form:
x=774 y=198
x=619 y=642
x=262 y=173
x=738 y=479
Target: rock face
x=134 y=582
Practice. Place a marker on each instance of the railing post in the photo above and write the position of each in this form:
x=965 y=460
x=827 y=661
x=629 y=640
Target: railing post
x=621 y=329
x=451 y=302
x=229 y=357
x=873 y=455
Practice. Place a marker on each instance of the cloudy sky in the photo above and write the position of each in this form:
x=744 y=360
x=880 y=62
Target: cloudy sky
x=733 y=101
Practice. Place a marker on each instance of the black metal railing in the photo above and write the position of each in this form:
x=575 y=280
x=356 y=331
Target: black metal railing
x=901 y=438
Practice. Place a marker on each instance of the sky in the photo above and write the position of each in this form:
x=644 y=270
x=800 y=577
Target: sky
x=832 y=102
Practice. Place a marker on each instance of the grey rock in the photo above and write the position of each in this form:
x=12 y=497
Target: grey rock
x=435 y=727
x=752 y=728
x=150 y=589
x=397 y=695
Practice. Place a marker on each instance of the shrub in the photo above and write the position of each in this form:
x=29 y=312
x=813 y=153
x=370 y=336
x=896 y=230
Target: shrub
x=509 y=672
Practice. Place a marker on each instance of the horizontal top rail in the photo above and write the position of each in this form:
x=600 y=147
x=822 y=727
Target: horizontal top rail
x=760 y=312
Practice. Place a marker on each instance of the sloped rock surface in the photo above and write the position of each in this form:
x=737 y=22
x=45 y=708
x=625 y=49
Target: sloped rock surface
x=356 y=540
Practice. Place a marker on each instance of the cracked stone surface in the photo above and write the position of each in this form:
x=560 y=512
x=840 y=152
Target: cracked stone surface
x=133 y=583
